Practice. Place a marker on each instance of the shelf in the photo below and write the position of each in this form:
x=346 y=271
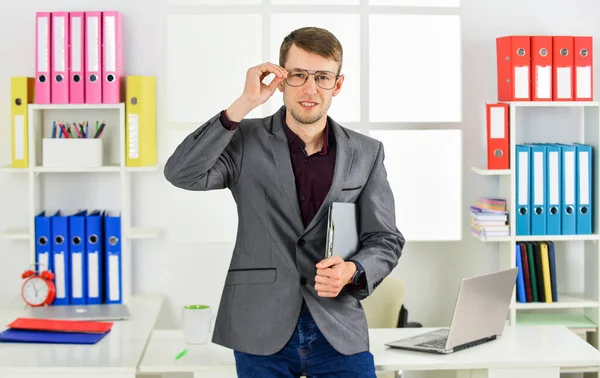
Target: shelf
x=524 y=238
x=491 y=239
x=564 y=301
x=557 y=237
x=491 y=172
x=144 y=233
x=75 y=106
x=572 y=321
x=152 y=168
x=15 y=234
x=106 y=168
x=550 y=104
x=10 y=169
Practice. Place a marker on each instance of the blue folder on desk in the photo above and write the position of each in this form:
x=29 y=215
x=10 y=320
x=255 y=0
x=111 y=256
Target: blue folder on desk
x=49 y=337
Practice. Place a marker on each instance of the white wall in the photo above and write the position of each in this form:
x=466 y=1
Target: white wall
x=195 y=272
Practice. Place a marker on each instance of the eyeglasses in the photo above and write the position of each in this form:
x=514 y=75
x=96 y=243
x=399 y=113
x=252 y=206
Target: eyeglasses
x=324 y=79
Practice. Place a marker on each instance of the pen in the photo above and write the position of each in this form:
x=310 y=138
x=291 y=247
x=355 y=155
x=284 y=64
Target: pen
x=86 y=130
x=77 y=129
x=99 y=132
x=54 y=129
x=64 y=130
x=181 y=354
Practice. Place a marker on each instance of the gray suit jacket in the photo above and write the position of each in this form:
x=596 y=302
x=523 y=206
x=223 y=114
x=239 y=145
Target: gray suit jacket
x=263 y=289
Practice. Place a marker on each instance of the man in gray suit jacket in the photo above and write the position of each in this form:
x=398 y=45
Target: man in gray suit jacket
x=285 y=310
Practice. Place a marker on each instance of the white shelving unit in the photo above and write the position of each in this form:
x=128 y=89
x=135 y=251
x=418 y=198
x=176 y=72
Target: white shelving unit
x=114 y=174
x=561 y=122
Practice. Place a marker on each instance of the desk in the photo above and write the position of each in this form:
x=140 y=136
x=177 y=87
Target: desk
x=117 y=355
x=522 y=351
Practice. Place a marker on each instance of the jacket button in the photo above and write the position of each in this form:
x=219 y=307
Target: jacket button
x=303 y=281
x=301 y=242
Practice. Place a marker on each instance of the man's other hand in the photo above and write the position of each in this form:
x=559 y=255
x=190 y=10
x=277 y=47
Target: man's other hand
x=333 y=274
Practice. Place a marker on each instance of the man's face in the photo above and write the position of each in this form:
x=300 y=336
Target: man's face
x=309 y=103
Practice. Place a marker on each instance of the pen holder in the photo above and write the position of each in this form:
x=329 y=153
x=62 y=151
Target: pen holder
x=72 y=152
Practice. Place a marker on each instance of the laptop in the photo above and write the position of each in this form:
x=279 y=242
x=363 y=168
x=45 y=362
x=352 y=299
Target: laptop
x=479 y=315
x=342 y=230
x=84 y=312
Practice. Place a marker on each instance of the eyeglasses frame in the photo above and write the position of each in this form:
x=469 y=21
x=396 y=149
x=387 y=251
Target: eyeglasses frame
x=313 y=73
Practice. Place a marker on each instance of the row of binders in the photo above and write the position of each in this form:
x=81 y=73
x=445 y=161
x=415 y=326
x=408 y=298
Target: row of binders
x=554 y=189
x=140 y=129
x=83 y=250
x=79 y=57
x=545 y=68
x=536 y=278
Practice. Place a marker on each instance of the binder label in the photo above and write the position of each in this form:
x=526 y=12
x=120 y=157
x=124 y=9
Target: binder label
x=538 y=172
x=521 y=82
x=76 y=44
x=92 y=44
x=109 y=40
x=19 y=137
x=523 y=173
x=113 y=276
x=563 y=75
x=553 y=177
x=584 y=82
x=584 y=182
x=77 y=265
x=497 y=123
x=133 y=132
x=59 y=270
x=569 y=178
x=93 y=287
x=43 y=260
x=59 y=44
x=42 y=45
x=544 y=81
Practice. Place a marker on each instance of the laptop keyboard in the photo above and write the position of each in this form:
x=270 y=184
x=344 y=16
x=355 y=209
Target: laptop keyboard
x=435 y=343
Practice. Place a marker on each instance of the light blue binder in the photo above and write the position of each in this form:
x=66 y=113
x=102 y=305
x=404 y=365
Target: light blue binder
x=114 y=291
x=553 y=189
x=60 y=255
x=523 y=205
x=78 y=258
x=94 y=229
x=568 y=190
x=537 y=192
x=584 y=194
x=43 y=242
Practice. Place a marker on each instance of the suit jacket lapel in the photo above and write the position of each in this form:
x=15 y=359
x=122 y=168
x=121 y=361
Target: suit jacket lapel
x=285 y=173
x=343 y=162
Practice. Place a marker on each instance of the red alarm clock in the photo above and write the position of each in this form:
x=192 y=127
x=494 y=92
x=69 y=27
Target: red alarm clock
x=38 y=289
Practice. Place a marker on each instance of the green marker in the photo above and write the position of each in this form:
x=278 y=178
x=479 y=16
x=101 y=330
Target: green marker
x=181 y=354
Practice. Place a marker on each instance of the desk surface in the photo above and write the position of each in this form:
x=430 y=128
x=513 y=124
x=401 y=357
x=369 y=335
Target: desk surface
x=521 y=346
x=119 y=352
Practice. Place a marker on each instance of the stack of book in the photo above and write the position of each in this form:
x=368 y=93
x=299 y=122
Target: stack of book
x=489 y=217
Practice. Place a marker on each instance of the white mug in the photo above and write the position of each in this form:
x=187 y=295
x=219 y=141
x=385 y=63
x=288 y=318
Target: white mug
x=196 y=321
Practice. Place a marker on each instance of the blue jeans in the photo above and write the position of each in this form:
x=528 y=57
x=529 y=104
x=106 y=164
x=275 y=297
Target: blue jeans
x=307 y=353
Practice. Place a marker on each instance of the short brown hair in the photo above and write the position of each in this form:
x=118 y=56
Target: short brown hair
x=314 y=40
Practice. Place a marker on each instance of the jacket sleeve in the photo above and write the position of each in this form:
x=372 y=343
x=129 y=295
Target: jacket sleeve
x=209 y=158
x=382 y=242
